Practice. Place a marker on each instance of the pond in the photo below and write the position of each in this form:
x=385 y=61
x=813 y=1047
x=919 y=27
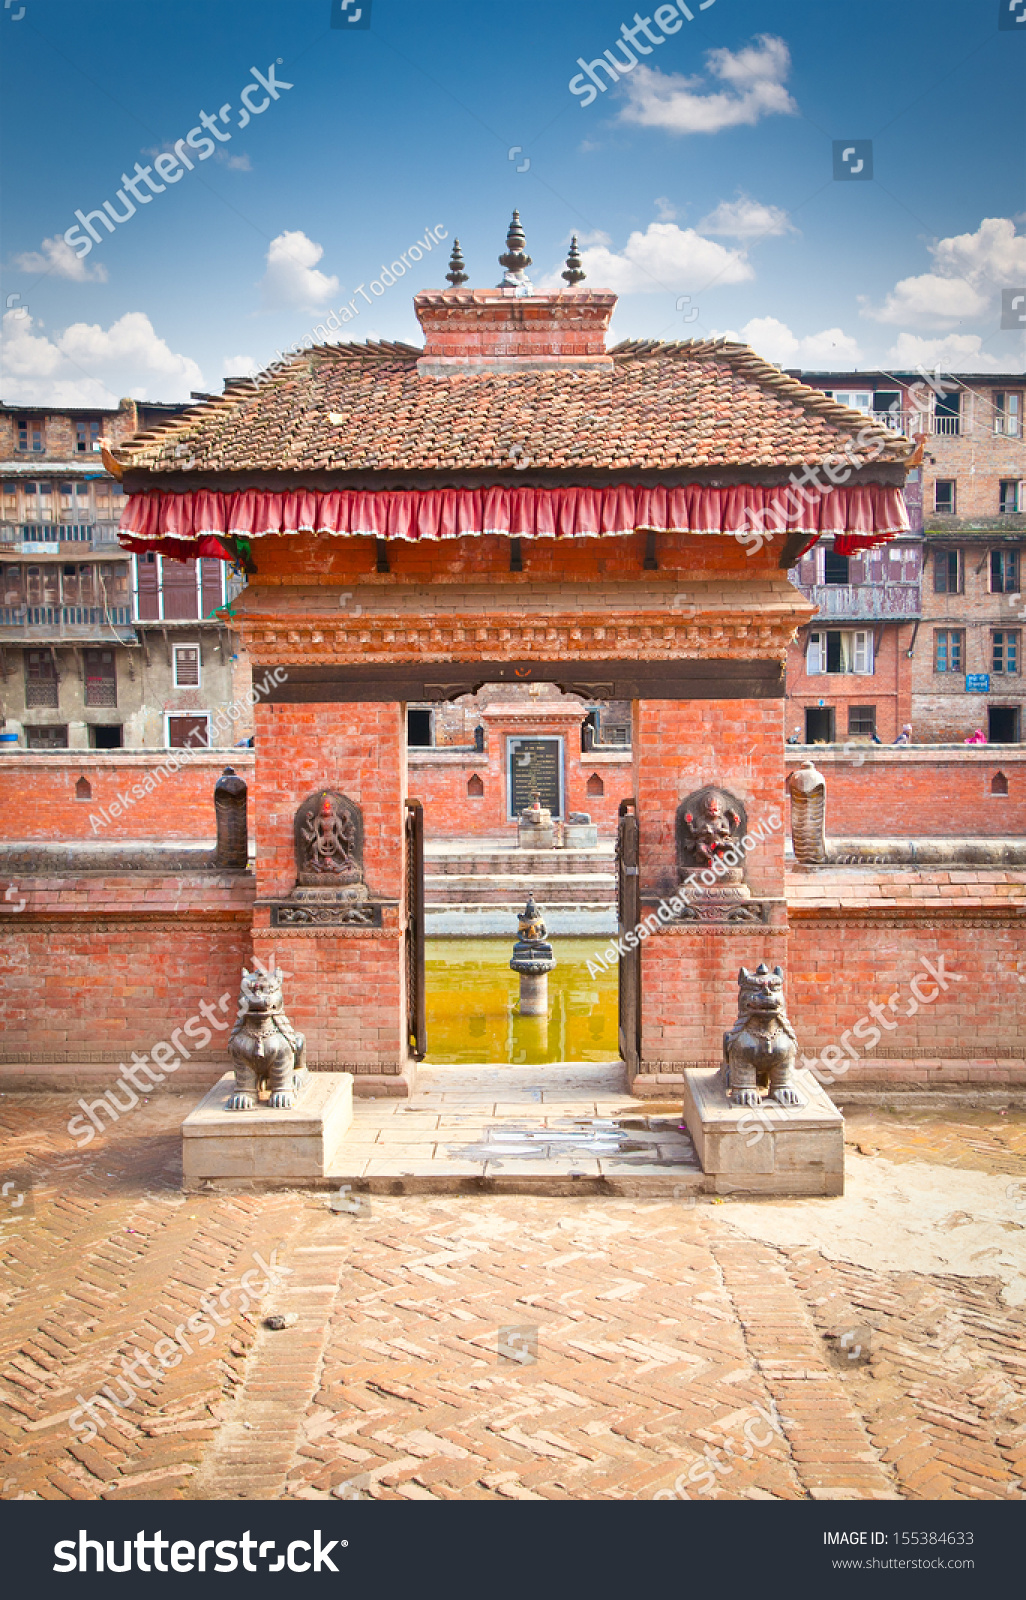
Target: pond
x=473 y=1013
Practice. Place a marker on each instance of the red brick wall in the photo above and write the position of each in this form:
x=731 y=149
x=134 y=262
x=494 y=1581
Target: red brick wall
x=680 y=746
x=345 y=991
x=122 y=976
x=837 y=970
x=37 y=795
x=901 y=793
x=689 y=991
x=358 y=749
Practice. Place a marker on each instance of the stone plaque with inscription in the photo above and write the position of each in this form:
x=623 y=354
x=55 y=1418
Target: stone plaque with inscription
x=534 y=767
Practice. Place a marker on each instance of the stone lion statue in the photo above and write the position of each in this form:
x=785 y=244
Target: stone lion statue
x=759 y=1050
x=265 y=1047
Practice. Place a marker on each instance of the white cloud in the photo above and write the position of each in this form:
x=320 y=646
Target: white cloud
x=90 y=365
x=745 y=218
x=666 y=211
x=954 y=352
x=995 y=251
x=970 y=270
x=291 y=282
x=754 y=79
x=57 y=257
x=234 y=163
x=930 y=299
x=238 y=367
x=774 y=341
x=663 y=257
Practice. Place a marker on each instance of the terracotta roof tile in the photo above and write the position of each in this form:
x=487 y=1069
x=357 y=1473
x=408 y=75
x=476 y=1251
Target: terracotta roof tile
x=659 y=407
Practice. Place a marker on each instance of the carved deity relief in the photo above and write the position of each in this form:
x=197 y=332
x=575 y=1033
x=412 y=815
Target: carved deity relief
x=329 y=841
x=710 y=826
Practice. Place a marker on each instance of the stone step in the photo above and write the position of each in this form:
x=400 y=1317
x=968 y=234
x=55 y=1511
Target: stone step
x=517 y=862
x=593 y=888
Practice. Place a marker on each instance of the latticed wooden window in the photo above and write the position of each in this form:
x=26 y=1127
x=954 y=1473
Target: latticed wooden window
x=101 y=678
x=40 y=679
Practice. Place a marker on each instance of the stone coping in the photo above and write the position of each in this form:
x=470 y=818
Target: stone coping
x=220 y=757
x=986 y=755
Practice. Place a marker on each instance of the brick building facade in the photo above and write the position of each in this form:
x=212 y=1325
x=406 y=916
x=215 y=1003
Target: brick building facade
x=958 y=667
x=98 y=648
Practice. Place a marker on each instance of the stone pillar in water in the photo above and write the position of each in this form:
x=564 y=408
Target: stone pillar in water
x=533 y=959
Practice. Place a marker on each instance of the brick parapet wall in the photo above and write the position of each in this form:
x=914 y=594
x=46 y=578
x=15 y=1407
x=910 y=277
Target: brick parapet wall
x=925 y=791
x=38 y=801
x=95 y=967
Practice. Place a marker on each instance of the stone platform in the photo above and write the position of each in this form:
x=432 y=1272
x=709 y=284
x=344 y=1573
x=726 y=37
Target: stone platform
x=564 y=1129
x=567 y=1129
x=772 y=1149
x=277 y=1148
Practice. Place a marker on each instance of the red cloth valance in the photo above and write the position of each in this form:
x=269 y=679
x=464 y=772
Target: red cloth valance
x=196 y=523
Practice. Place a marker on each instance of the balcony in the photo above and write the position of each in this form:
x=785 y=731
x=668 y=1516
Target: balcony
x=53 y=538
x=865 y=602
x=72 y=624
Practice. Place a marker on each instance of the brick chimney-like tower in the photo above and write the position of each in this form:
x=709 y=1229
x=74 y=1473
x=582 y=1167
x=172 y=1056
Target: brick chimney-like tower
x=512 y=328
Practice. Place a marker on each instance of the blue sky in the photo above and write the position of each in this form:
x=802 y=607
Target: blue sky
x=706 y=171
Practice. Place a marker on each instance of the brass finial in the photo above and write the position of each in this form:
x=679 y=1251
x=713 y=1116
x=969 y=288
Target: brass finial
x=516 y=258
x=456 y=275
x=574 y=266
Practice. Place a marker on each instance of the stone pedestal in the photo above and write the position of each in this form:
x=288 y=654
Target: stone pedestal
x=534 y=994
x=272 y=1147
x=771 y=1149
x=580 y=836
x=536 y=836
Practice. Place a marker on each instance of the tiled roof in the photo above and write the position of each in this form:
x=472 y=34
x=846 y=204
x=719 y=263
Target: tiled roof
x=665 y=407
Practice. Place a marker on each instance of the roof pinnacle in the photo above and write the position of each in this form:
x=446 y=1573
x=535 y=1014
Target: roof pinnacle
x=456 y=275
x=575 y=267
x=515 y=259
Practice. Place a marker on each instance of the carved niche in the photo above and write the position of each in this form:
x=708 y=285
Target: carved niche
x=711 y=823
x=329 y=841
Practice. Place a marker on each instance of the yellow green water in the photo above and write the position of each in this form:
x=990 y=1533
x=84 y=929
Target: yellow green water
x=473 y=1012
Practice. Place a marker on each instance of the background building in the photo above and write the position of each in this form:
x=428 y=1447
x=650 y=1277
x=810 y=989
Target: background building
x=934 y=624
x=98 y=648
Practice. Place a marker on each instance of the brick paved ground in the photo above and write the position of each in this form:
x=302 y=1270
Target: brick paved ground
x=663 y=1330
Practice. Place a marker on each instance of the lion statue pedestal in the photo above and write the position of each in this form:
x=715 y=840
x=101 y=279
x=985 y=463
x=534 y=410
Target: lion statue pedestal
x=270 y=1122
x=758 y=1124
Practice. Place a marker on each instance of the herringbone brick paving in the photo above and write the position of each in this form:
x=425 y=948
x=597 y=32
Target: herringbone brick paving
x=662 y=1333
